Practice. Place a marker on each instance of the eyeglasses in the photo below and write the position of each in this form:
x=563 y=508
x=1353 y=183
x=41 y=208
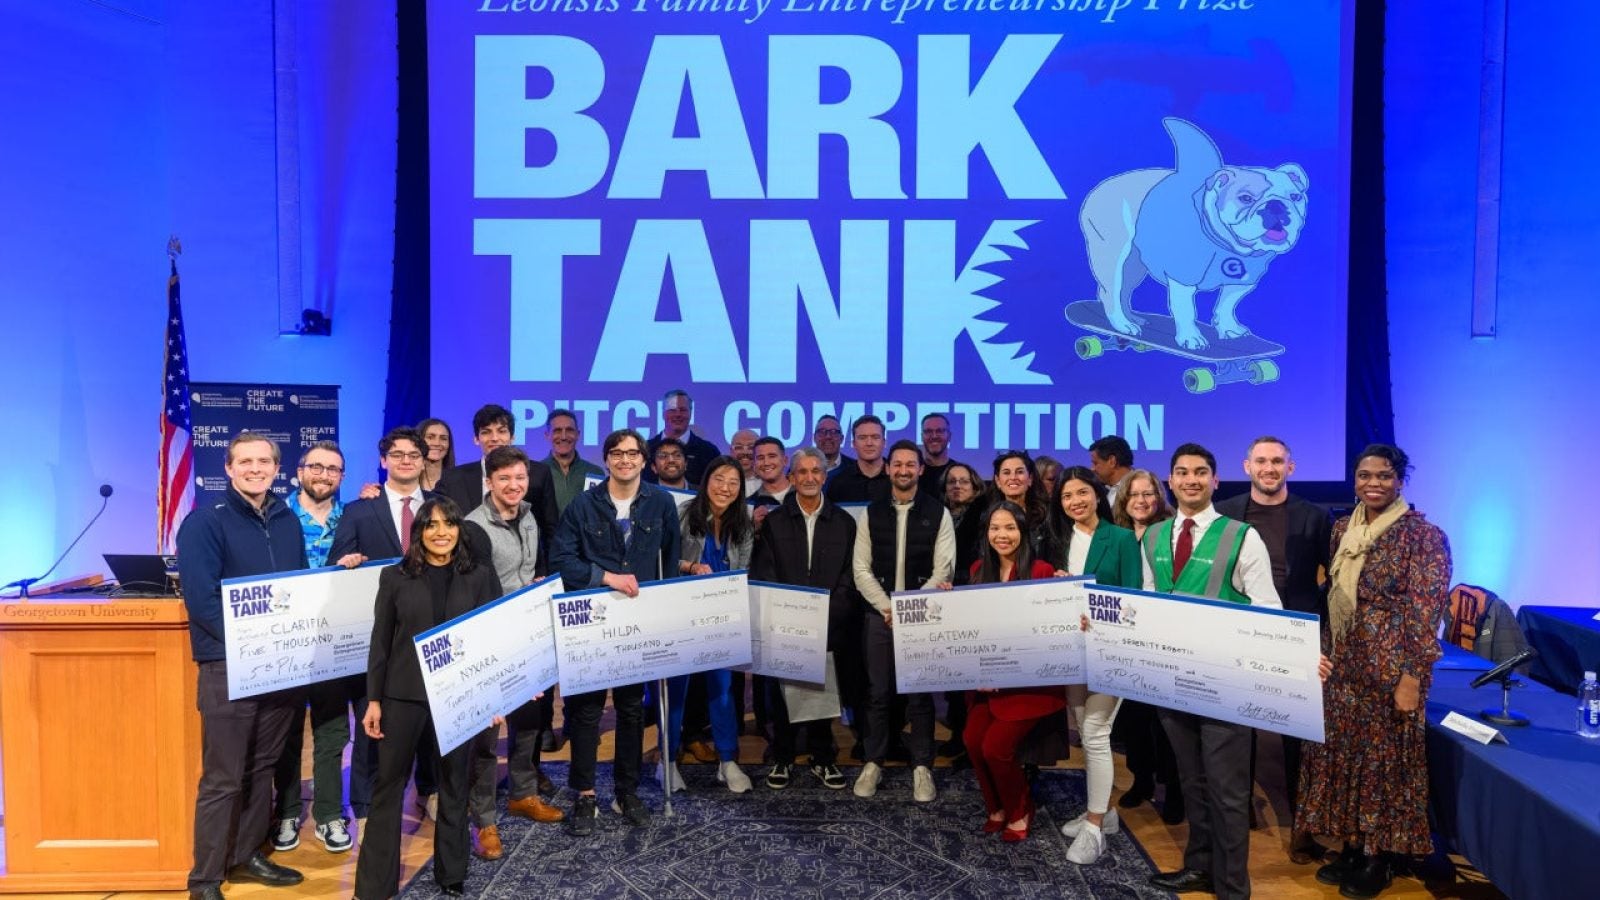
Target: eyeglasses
x=319 y=468
x=625 y=454
x=1141 y=495
x=958 y=482
x=403 y=456
x=829 y=432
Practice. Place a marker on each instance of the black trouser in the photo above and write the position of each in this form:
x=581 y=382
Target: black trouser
x=583 y=730
x=818 y=732
x=955 y=713
x=879 y=652
x=849 y=665
x=1214 y=762
x=241 y=741
x=378 y=865
x=1145 y=743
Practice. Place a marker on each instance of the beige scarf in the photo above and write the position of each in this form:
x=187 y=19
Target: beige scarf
x=1345 y=573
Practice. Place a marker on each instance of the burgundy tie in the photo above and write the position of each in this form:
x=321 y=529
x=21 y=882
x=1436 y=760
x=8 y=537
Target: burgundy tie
x=1180 y=556
x=407 y=517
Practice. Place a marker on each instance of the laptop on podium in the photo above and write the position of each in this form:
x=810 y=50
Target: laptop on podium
x=143 y=574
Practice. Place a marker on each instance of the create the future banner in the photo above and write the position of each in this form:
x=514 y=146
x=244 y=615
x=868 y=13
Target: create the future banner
x=1049 y=219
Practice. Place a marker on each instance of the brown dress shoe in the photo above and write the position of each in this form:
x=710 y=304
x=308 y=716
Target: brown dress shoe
x=701 y=752
x=488 y=844
x=535 y=809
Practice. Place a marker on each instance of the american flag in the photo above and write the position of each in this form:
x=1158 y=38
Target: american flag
x=175 y=493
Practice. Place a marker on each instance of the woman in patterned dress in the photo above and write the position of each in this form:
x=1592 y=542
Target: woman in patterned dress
x=1389 y=584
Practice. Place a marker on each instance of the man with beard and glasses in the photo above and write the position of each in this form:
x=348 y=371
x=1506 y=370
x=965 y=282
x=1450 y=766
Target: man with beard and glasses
x=936 y=459
x=319 y=509
x=669 y=464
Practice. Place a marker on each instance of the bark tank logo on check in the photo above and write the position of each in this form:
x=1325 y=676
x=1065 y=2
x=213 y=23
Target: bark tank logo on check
x=917 y=610
x=1110 y=609
x=443 y=650
x=256 y=600
x=583 y=611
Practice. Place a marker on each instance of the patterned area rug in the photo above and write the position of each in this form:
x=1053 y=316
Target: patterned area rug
x=804 y=843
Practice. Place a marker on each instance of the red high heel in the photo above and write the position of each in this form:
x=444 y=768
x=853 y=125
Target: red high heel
x=1018 y=835
x=993 y=826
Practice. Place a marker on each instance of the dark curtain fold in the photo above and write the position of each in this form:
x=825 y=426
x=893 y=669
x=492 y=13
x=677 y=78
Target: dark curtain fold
x=1369 y=400
x=406 y=397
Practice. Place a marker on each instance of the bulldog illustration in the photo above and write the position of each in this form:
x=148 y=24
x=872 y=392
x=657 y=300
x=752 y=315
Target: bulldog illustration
x=1199 y=226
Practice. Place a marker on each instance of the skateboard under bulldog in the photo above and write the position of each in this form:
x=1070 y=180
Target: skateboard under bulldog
x=1227 y=359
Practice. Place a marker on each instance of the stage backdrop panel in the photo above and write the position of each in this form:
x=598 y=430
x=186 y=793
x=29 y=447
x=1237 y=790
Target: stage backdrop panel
x=795 y=208
x=294 y=415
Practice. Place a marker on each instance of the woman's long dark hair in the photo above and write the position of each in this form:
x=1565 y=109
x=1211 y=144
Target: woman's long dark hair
x=1060 y=522
x=449 y=461
x=989 y=560
x=1036 y=519
x=736 y=525
x=415 y=562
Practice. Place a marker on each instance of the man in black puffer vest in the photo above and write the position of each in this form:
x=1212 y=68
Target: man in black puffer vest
x=909 y=543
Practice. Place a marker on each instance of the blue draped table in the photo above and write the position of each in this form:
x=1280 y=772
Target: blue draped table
x=1527 y=815
x=1568 y=641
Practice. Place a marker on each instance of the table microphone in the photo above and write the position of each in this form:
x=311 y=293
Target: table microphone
x=24 y=583
x=1504 y=673
x=1503 y=670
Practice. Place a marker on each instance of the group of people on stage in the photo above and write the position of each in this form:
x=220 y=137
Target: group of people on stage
x=468 y=534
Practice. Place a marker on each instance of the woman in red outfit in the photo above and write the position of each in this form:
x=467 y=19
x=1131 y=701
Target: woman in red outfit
x=998 y=720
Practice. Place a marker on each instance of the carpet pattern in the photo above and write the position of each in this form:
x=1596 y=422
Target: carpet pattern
x=804 y=843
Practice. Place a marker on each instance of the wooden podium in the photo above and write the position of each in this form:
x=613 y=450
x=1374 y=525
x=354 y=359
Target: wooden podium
x=101 y=744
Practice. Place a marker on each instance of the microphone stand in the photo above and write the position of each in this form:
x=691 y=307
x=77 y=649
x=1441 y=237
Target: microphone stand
x=25 y=583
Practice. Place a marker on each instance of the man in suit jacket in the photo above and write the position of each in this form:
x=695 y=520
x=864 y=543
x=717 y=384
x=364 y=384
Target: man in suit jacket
x=808 y=542
x=379 y=528
x=466 y=483
x=1296 y=533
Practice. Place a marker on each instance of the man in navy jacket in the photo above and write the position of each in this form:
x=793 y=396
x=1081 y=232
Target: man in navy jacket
x=618 y=534
x=251 y=532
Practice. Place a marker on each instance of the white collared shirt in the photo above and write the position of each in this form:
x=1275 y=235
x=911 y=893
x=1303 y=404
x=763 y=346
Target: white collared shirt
x=1252 y=576
x=395 y=509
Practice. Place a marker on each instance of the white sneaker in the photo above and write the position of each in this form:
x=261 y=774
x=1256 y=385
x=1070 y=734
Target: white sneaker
x=867 y=781
x=286 y=835
x=922 y=789
x=1087 y=847
x=734 y=777
x=1111 y=824
x=335 y=837
x=666 y=770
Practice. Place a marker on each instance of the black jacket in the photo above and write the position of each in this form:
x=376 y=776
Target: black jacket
x=780 y=558
x=1306 y=546
x=849 y=485
x=403 y=610
x=368 y=528
x=231 y=539
x=697 y=455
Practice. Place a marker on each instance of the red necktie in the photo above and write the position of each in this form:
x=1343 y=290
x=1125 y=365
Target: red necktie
x=407 y=517
x=1180 y=556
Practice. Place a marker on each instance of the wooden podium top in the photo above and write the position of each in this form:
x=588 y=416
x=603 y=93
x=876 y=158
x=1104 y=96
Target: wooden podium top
x=55 y=613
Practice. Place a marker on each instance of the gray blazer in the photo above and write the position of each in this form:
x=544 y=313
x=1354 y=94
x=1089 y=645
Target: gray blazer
x=694 y=545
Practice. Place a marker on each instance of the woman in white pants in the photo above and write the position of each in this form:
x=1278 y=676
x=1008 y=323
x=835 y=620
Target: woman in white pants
x=1090 y=545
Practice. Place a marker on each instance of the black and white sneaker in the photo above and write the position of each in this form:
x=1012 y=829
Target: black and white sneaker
x=631 y=808
x=286 y=835
x=778 y=778
x=830 y=776
x=584 y=815
x=335 y=837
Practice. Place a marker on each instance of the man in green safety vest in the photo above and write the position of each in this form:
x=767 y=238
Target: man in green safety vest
x=1201 y=553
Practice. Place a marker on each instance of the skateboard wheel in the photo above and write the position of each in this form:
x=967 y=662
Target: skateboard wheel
x=1263 y=371
x=1199 y=381
x=1142 y=348
x=1089 y=347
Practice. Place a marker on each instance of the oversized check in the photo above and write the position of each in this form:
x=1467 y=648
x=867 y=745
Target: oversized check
x=1245 y=664
x=489 y=661
x=1017 y=634
x=788 y=632
x=291 y=629
x=605 y=638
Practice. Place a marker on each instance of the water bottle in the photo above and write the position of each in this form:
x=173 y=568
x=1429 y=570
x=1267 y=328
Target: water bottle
x=1589 y=707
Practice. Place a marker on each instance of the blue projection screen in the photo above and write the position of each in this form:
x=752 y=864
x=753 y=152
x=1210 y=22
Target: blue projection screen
x=1050 y=219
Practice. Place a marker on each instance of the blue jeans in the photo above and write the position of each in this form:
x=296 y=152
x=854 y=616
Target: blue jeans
x=719 y=696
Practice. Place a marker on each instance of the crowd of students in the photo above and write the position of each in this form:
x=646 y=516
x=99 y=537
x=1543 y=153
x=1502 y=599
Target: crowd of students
x=469 y=533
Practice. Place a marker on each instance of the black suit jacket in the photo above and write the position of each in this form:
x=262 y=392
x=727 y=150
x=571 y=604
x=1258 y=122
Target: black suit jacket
x=464 y=485
x=368 y=528
x=1306 y=548
x=780 y=557
x=403 y=610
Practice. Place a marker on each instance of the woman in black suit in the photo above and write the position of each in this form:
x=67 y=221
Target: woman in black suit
x=436 y=581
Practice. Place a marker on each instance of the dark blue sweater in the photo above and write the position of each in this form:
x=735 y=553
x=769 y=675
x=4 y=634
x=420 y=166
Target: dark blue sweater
x=231 y=539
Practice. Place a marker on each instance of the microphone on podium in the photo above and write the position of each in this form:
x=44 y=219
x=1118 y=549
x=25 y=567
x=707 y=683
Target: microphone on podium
x=25 y=583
